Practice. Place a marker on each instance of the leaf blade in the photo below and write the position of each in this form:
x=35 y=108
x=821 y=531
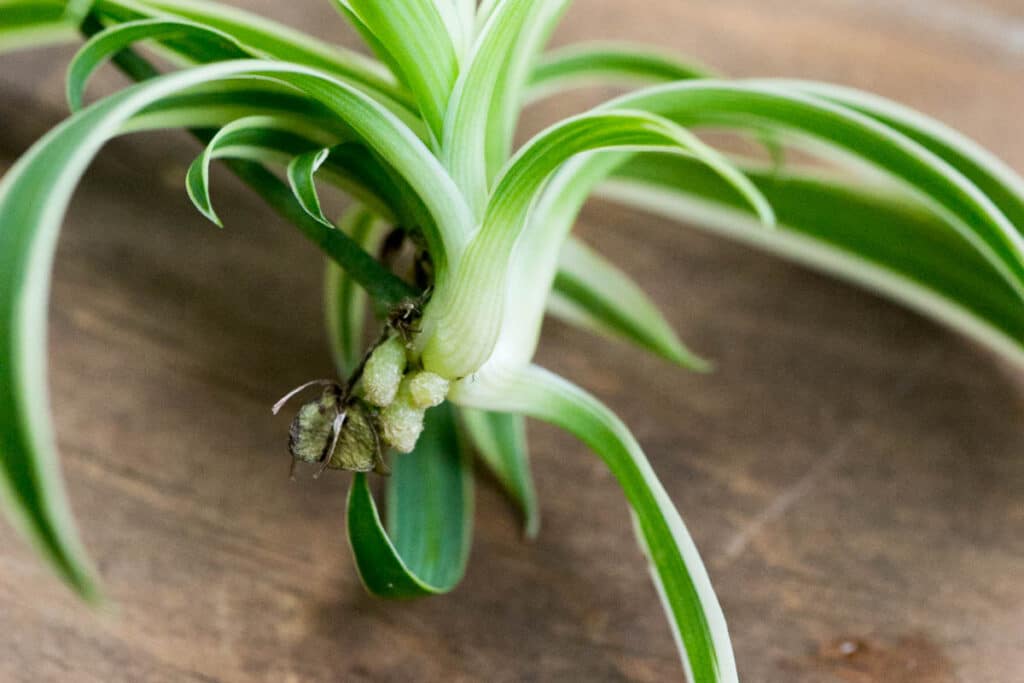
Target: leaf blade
x=500 y=441
x=34 y=23
x=690 y=602
x=425 y=547
x=603 y=299
x=884 y=241
x=463 y=320
x=273 y=38
x=345 y=302
x=476 y=98
x=415 y=38
x=739 y=104
x=605 y=63
x=111 y=41
x=994 y=178
x=34 y=195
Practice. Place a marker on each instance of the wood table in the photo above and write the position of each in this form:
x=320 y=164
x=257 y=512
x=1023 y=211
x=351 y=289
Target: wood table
x=852 y=473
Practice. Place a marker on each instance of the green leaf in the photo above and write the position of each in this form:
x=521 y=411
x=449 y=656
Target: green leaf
x=377 y=47
x=449 y=222
x=476 y=98
x=379 y=282
x=594 y=294
x=585 y=65
x=682 y=580
x=462 y=322
x=284 y=125
x=512 y=80
x=344 y=300
x=218 y=103
x=763 y=104
x=353 y=168
x=459 y=17
x=113 y=40
x=425 y=547
x=301 y=172
x=534 y=264
x=886 y=241
x=277 y=139
x=500 y=441
x=413 y=36
x=269 y=139
x=234 y=140
x=34 y=195
x=35 y=23
x=270 y=37
x=996 y=180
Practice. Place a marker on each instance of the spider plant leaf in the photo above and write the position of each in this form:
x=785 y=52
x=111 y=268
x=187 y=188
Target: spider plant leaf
x=272 y=38
x=424 y=549
x=235 y=140
x=354 y=169
x=350 y=167
x=379 y=282
x=35 y=23
x=345 y=302
x=464 y=148
x=683 y=584
x=459 y=24
x=218 y=103
x=198 y=47
x=512 y=80
x=609 y=64
x=886 y=241
x=287 y=126
x=301 y=172
x=500 y=441
x=284 y=125
x=113 y=40
x=466 y=314
x=995 y=179
x=466 y=10
x=778 y=107
x=484 y=11
x=34 y=195
x=450 y=221
x=272 y=138
x=416 y=41
x=608 y=130
x=603 y=64
x=378 y=48
x=399 y=147
x=596 y=295
x=534 y=266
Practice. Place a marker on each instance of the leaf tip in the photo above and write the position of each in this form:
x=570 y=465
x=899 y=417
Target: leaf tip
x=531 y=524
x=688 y=360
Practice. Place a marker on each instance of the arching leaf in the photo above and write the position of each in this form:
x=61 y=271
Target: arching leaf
x=424 y=548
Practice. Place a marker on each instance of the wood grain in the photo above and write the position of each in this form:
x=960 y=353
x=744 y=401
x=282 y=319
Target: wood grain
x=852 y=473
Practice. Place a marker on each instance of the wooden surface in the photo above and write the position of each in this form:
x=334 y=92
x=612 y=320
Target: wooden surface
x=853 y=474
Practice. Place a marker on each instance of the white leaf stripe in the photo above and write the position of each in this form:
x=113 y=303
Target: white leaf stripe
x=691 y=604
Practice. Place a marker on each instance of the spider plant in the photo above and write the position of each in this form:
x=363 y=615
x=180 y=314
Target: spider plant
x=422 y=138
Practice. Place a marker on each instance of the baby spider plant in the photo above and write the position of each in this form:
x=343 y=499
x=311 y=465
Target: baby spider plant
x=459 y=241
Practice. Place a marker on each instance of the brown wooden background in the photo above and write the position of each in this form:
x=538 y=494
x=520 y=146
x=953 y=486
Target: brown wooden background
x=852 y=473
